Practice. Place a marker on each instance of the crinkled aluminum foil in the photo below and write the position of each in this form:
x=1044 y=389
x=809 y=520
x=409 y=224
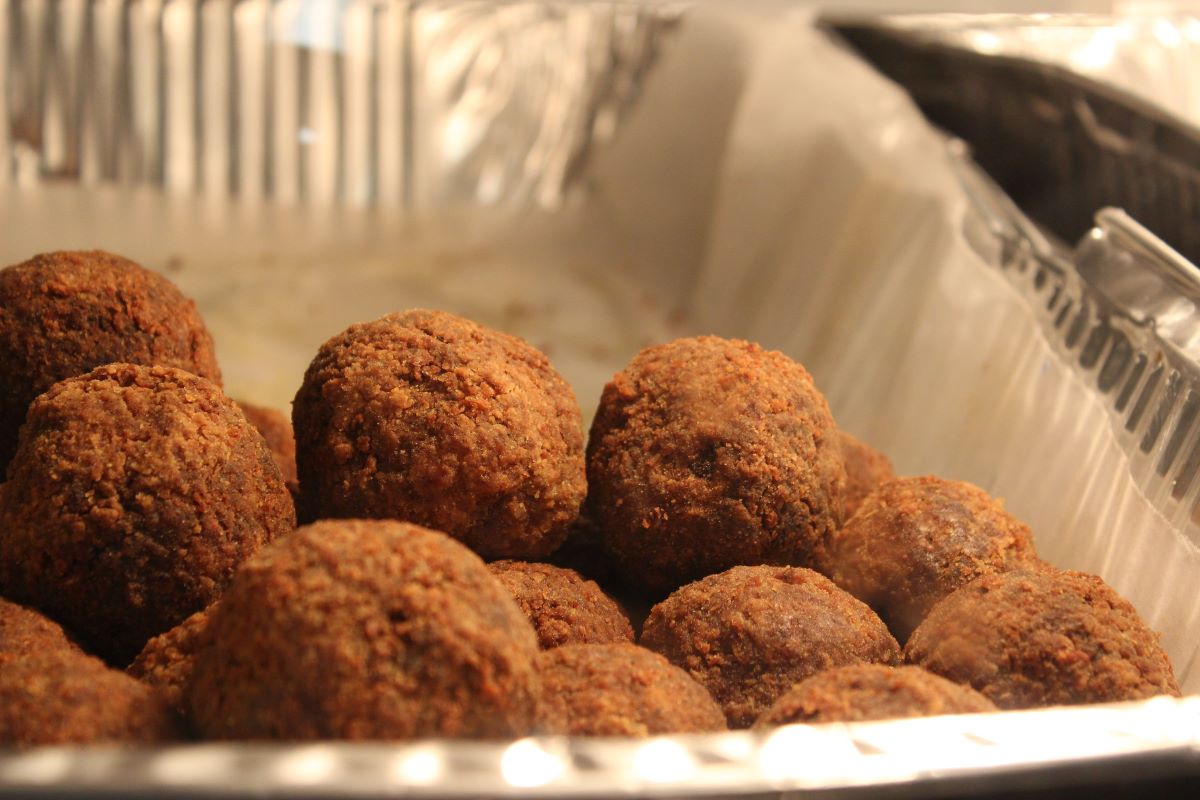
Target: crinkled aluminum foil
x=1150 y=50
x=363 y=102
x=282 y=147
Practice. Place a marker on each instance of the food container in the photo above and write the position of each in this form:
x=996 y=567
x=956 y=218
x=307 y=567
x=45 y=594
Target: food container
x=596 y=177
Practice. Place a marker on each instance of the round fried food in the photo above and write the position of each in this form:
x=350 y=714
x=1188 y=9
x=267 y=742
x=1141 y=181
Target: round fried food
x=860 y=692
x=135 y=494
x=707 y=453
x=916 y=540
x=1042 y=637
x=621 y=690
x=431 y=418
x=167 y=660
x=62 y=697
x=866 y=469
x=751 y=633
x=563 y=607
x=365 y=629
x=63 y=314
x=276 y=429
x=23 y=630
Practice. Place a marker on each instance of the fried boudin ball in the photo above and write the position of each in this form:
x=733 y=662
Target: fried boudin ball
x=23 y=630
x=365 y=629
x=916 y=540
x=1042 y=637
x=135 y=494
x=707 y=453
x=63 y=314
x=751 y=633
x=563 y=607
x=167 y=660
x=621 y=690
x=63 y=697
x=427 y=417
x=276 y=429
x=866 y=469
x=861 y=692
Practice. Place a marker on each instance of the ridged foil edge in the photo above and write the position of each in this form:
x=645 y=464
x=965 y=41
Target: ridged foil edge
x=898 y=756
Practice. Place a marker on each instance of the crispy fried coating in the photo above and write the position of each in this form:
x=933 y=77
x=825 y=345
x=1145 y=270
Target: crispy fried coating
x=427 y=417
x=861 y=692
x=135 y=494
x=23 y=630
x=916 y=540
x=866 y=469
x=167 y=660
x=621 y=690
x=707 y=453
x=276 y=429
x=751 y=633
x=1042 y=637
x=64 y=697
x=564 y=607
x=63 y=314
x=365 y=629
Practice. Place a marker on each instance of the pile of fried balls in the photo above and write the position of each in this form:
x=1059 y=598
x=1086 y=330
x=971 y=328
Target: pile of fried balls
x=435 y=553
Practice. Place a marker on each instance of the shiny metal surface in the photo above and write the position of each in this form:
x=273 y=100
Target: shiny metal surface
x=406 y=105
x=362 y=102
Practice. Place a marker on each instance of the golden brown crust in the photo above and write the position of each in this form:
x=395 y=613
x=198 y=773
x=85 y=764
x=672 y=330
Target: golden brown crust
x=63 y=314
x=167 y=660
x=706 y=453
x=916 y=540
x=276 y=429
x=428 y=417
x=353 y=629
x=564 y=607
x=860 y=692
x=749 y=634
x=134 y=496
x=1042 y=637
x=23 y=630
x=621 y=690
x=866 y=469
x=62 y=697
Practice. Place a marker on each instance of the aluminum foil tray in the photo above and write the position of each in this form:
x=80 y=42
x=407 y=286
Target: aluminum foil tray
x=595 y=177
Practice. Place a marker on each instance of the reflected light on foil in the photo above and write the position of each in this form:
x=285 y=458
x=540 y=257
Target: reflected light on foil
x=306 y=766
x=1098 y=52
x=1167 y=34
x=663 y=761
x=192 y=765
x=793 y=751
x=985 y=42
x=421 y=766
x=44 y=766
x=525 y=763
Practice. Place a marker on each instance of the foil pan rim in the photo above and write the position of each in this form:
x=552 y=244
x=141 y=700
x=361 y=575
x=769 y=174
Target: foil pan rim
x=796 y=757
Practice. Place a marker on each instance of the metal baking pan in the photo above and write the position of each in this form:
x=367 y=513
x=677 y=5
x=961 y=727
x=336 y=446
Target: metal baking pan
x=598 y=176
